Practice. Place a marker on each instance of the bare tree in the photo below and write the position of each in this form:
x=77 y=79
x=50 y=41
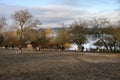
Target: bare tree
x=24 y=21
x=78 y=33
x=62 y=38
x=2 y=23
x=98 y=30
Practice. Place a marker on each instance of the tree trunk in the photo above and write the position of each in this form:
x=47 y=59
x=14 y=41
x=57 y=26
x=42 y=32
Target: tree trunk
x=21 y=37
x=79 y=47
x=105 y=45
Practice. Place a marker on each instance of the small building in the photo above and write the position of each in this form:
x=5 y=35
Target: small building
x=29 y=45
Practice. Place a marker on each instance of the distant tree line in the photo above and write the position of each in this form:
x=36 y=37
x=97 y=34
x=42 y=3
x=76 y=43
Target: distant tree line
x=25 y=28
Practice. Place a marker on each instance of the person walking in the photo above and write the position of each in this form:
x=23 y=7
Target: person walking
x=20 y=49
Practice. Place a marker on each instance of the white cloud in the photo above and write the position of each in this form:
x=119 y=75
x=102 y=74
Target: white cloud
x=47 y=14
x=53 y=15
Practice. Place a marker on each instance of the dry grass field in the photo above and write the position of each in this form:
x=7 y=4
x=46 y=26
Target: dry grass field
x=58 y=66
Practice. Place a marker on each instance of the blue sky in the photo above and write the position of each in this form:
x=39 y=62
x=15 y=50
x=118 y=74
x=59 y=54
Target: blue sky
x=52 y=12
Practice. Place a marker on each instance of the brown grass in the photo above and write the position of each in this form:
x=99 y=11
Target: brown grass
x=58 y=66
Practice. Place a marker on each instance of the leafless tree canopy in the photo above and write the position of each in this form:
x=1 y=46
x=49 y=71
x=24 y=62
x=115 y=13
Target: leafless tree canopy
x=2 y=22
x=24 y=21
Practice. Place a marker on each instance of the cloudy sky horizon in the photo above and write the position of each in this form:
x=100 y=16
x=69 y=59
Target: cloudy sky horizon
x=53 y=12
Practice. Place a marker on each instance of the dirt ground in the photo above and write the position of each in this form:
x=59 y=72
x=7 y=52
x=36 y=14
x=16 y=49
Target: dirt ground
x=58 y=66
